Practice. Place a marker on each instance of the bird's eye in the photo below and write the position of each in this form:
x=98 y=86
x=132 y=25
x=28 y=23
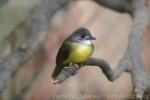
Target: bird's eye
x=82 y=36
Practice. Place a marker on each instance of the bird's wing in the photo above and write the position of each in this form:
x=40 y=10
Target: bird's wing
x=63 y=53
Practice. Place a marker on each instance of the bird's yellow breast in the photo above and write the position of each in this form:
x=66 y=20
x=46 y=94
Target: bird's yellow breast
x=78 y=52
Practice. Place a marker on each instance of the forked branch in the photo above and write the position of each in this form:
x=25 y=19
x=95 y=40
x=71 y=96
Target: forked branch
x=132 y=58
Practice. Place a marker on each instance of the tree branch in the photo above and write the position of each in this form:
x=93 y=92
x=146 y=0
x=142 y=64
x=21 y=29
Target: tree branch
x=117 y=5
x=40 y=19
x=106 y=69
x=148 y=78
x=3 y=2
x=132 y=59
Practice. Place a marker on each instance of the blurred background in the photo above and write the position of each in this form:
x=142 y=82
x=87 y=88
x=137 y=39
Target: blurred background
x=33 y=80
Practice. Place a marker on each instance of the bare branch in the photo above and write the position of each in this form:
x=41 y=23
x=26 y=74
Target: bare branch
x=148 y=78
x=106 y=69
x=132 y=60
x=40 y=19
x=3 y=2
x=117 y=5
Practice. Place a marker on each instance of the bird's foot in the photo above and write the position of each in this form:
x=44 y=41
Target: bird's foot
x=77 y=66
x=67 y=67
x=56 y=81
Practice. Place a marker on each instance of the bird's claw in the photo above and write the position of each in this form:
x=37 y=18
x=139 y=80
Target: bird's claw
x=56 y=81
x=77 y=66
x=67 y=67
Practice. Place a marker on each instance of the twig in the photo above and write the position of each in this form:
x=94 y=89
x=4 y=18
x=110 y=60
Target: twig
x=40 y=19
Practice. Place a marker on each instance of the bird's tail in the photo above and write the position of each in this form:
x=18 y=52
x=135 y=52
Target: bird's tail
x=57 y=70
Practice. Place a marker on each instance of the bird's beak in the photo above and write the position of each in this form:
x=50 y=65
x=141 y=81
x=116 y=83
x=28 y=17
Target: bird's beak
x=92 y=38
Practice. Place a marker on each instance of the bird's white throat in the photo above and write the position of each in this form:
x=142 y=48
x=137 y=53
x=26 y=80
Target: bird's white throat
x=87 y=42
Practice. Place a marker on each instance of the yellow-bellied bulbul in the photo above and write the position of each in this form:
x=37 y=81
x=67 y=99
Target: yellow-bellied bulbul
x=75 y=49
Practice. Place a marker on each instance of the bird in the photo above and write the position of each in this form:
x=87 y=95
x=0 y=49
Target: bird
x=75 y=49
